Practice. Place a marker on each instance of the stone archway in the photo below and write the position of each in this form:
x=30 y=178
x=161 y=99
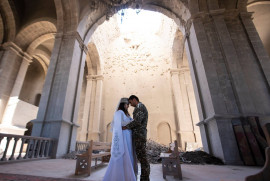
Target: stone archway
x=92 y=27
x=65 y=113
x=210 y=96
x=7 y=23
x=221 y=78
x=130 y=72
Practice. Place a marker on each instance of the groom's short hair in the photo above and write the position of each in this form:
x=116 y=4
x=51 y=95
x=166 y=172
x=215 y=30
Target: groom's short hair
x=133 y=97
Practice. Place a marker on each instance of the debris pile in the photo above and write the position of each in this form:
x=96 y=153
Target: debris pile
x=199 y=157
x=153 y=150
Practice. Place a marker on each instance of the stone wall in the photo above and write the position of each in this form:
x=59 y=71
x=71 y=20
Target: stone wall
x=140 y=63
x=33 y=84
x=24 y=113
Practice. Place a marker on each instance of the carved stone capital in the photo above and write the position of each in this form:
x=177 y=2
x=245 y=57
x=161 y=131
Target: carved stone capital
x=15 y=48
x=179 y=70
x=96 y=77
x=175 y=71
x=27 y=58
x=247 y=15
x=187 y=28
x=217 y=12
x=76 y=35
x=89 y=77
x=232 y=14
x=80 y=40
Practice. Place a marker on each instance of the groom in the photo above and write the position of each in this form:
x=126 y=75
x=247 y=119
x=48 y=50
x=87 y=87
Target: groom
x=138 y=127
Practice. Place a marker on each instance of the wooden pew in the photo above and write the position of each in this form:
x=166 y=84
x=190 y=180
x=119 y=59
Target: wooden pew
x=264 y=174
x=171 y=162
x=266 y=130
x=96 y=150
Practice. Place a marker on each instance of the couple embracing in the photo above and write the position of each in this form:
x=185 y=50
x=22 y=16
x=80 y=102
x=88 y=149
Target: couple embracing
x=128 y=142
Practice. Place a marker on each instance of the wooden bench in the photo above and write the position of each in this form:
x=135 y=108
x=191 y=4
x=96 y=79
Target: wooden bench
x=264 y=174
x=95 y=150
x=171 y=162
x=266 y=130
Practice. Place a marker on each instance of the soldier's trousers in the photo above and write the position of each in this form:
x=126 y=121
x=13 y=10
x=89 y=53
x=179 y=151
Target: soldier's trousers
x=140 y=147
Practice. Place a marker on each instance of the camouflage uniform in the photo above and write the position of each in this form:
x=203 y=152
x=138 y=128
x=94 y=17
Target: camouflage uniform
x=139 y=131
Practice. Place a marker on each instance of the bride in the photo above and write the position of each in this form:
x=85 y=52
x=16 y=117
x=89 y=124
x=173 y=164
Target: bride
x=123 y=164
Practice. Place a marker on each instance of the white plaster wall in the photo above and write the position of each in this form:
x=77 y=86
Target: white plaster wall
x=261 y=21
x=33 y=83
x=24 y=113
x=137 y=63
x=131 y=67
x=102 y=37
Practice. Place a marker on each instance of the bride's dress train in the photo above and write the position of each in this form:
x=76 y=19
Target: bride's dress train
x=121 y=165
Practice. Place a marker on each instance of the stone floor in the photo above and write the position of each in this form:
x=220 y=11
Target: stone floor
x=63 y=168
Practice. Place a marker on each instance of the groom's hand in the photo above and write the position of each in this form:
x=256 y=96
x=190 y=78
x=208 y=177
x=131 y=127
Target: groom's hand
x=124 y=127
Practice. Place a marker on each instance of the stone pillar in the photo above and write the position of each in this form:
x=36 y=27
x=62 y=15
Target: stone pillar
x=211 y=75
x=260 y=70
x=188 y=123
x=95 y=132
x=58 y=109
x=230 y=71
x=7 y=125
x=9 y=66
x=183 y=122
x=233 y=66
x=86 y=110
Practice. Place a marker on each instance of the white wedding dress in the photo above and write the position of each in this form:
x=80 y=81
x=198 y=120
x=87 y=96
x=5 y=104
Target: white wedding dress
x=121 y=165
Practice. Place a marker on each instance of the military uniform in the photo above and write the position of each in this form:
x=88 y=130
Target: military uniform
x=139 y=131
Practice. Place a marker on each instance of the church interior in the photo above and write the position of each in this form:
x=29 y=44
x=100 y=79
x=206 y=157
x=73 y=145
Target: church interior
x=202 y=69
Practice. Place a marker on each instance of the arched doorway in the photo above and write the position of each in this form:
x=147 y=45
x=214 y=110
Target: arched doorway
x=216 y=60
x=164 y=133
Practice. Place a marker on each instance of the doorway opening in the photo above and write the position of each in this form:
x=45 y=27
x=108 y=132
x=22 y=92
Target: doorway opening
x=142 y=54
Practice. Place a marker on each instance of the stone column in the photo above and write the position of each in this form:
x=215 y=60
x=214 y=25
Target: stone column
x=218 y=103
x=58 y=109
x=7 y=125
x=183 y=121
x=86 y=110
x=192 y=106
x=9 y=66
x=95 y=132
x=233 y=66
x=230 y=70
x=188 y=123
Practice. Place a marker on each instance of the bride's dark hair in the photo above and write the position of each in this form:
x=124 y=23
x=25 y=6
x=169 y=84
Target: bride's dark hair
x=122 y=107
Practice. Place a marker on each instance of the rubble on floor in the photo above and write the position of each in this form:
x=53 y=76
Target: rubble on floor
x=153 y=150
x=199 y=157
